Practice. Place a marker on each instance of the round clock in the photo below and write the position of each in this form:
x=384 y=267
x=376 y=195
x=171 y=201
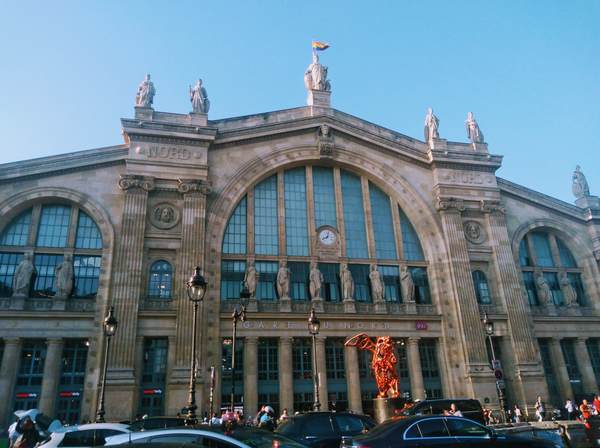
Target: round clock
x=327 y=237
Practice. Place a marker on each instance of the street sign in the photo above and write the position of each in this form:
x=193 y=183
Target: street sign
x=500 y=384
x=496 y=365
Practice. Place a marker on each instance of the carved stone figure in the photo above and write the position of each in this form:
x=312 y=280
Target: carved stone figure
x=315 y=77
x=347 y=282
x=283 y=281
x=377 y=286
x=543 y=290
x=473 y=131
x=407 y=284
x=315 y=281
x=23 y=276
x=145 y=93
x=325 y=141
x=580 y=186
x=473 y=232
x=251 y=279
x=199 y=98
x=431 y=126
x=164 y=216
x=63 y=274
x=568 y=290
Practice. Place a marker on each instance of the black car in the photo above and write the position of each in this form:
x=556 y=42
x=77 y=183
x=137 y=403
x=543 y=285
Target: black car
x=325 y=429
x=469 y=408
x=438 y=431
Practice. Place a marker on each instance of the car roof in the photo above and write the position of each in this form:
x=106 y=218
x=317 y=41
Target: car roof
x=88 y=426
x=121 y=438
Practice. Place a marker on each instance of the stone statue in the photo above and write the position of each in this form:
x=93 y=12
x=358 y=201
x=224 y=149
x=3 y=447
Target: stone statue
x=251 y=279
x=543 y=290
x=199 y=98
x=283 y=281
x=145 y=93
x=580 y=187
x=407 y=285
x=63 y=274
x=431 y=126
x=568 y=291
x=315 y=77
x=377 y=286
x=473 y=131
x=347 y=282
x=23 y=276
x=315 y=281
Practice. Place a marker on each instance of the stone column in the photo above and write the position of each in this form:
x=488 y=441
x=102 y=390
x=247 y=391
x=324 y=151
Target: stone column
x=52 y=370
x=588 y=377
x=322 y=373
x=353 y=379
x=560 y=369
x=286 y=381
x=8 y=376
x=250 y=376
x=417 y=388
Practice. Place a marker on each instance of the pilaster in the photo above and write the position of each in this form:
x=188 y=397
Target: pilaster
x=353 y=378
x=286 y=384
x=417 y=387
x=8 y=376
x=322 y=373
x=560 y=369
x=52 y=368
x=250 y=376
x=588 y=378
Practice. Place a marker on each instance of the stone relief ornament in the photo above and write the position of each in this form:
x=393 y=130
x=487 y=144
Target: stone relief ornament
x=63 y=274
x=145 y=93
x=325 y=141
x=199 y=98
x=431 y=126
x=23 y=276
x=580 y=186
x=164 y=216
x=315 y=77
x=132 y=181
x=474 y=232
x=491 y=207
x=473 y=132
x=190 y=185
x=450 y=204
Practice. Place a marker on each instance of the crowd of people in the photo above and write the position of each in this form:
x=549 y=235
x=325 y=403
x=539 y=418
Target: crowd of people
x=265 y=419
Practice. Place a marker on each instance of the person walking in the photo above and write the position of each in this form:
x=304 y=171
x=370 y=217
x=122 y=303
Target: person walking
x=517 y=413
x=596 y=405
x=540 y=409
x=570 y=408
x=267 y=420
x=284 y=416
x=586 y=412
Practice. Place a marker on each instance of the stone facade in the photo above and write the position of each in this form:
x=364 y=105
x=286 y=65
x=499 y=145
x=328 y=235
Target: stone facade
x=168 y=193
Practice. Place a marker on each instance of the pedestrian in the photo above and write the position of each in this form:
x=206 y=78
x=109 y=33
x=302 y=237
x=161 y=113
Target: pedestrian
x=586 y=412
x=267 y=420
x=518 y=414
x=259 y=414
x=454 y=411
x=596 y=405
x=570 y=408
x=487 y=416
x=284 y=416
x=29 y=437
x=540 y=409
x=215 y=420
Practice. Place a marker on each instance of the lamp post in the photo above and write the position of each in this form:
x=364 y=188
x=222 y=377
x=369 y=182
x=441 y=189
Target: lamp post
x=109 y=327
x=239 y=314
x=314 y=324
x=488 y=326
x=196 y=288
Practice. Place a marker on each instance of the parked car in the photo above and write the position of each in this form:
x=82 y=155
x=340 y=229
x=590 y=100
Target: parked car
x=93 y=434
x=149 y=423
x=44 y=424
x=468 y=407
x=324 y=429
x=438 y=431
x=243 y=437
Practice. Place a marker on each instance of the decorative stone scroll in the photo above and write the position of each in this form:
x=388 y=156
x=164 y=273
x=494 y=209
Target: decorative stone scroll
x=448 y=204
x=189 y=185
x=132 y=181
x=165 y=216
x=474 y=233
x=325 y=141
x=491 y=207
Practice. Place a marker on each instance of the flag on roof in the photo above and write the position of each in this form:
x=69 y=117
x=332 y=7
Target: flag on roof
x=319 y=46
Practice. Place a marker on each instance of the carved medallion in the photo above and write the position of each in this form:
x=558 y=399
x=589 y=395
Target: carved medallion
x=474 y=232
x=164 y=216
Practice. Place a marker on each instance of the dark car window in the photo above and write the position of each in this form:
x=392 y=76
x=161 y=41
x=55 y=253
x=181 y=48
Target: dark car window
x=460 y=427
x=318 y=425
x=434 y=427
x=213 y=442
x=264 y=439
x=78 y=438
x=350 y=425
x=469 y=406
x=289 y=427
x=413 y=432
x=174 y=438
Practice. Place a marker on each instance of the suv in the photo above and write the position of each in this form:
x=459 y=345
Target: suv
x=469 y=408
x=324 y=429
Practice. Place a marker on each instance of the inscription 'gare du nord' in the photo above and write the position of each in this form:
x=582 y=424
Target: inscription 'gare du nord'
x=327 y=325
x=166 y=152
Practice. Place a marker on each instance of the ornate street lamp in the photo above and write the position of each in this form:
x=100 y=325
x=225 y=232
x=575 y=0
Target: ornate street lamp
x=488 y=326
x=239 y=314
x=109 y=327
x=314 y=325
x=196 y=289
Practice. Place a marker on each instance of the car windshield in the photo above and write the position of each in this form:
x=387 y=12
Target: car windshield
x=43 y=421
x=264 y=439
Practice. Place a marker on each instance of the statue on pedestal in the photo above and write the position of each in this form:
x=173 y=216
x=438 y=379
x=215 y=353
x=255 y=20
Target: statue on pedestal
x=431 y=126
x=377 y=286
x=23 y=276
x=568 y=291
x=63 y=274
x=315 y=281
x=145 y=93
x=580 y=187
x=199 y=98
x=347 y=282
x=283 y=281
x=315 y=77
x=473 y=132
x=251 y=279
x=543 y=290
x=407 y=285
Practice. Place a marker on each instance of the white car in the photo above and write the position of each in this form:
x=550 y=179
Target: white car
x=83 y=436
x=44 y=424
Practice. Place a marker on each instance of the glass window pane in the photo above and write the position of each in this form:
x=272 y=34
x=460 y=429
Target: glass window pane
x=546 y=356
x=524 y=257
x=541 y=245
x=334 y=356
x=383 y=227
x=8 y=264
x=575 y=279
x=266 y=236
x=232 y=275
x=529 y=282
x=433 y=428
x=354 y=216
x=419 y=276
x=160 y=280
x=87 y=273
x=482 y=289
x=44 y=281
x=566 y=257
x=410 y=240
x=296 y=228
x=267 y=280
x=302 y=359
x=299 y=280
x=268 y=366
x=557 y=294
x=234 y=241
x=464 y=428
x=324 y=197
x=330 y=290
x=360 y=275
x=88 y=234
x=391 y=279
x=430 y=369
x=17 y=232
x=54 y=226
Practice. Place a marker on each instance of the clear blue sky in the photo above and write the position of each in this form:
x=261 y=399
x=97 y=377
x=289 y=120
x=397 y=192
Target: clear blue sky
x=529 y=70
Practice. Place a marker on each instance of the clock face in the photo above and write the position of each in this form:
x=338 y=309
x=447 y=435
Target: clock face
x=327 y=237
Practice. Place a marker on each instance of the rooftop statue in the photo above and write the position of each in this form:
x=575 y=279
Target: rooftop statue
x=145 y=93
x=431 y=126
x=473 y=131
x=580 y=187
x=315 y=77
x=199 y=98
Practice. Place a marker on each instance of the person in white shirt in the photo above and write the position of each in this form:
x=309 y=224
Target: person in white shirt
x=570 y=407
x=453 y=411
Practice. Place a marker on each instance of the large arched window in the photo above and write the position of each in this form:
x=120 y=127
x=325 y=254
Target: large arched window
x=52 y=233
x=280 y=219
x=550 y=272
x=482 y=289
x=160 y=280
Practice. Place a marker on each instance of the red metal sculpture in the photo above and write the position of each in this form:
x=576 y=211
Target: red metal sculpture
x=383 y=363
